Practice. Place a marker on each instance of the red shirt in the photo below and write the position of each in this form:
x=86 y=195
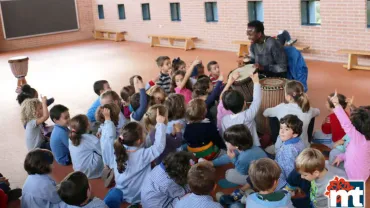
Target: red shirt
x=213 y=79
x=332 y=126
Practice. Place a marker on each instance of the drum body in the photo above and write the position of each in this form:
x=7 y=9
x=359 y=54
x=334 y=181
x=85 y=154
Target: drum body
x=244 y=84
x=19 y=66
x=273 y=94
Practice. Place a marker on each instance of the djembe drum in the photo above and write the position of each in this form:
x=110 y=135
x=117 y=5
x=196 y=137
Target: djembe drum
x=19 y=67
x=244 y=84
x=273 y=94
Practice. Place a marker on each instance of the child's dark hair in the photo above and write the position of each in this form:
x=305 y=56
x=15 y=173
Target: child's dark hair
x=127 y=92
x=73 y=189
x=196 y=110
x=239 y=136
x=360 y=118
x=296 y=90
x=210 y=64
x=203 y=76
x=202 y=178
x=202 y=84
x=198 y=93
x=38 y=161
x=292 y=122
x=264 y=173
x=78 y=126
x=175 y=104
x=113 y=94
x=177 y=166
x=176 y=63
x=26 y=92
x=99 y=85
x=56 y=111
x=160 y=60
x=133 y=77
x=135 y=101
x=233 y=100
x=129 y=134
x=342 y=101
x=258 y=26
x=114 y=113
x=173 y=81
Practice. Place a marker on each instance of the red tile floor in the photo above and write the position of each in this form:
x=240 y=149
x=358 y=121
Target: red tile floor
x=67 y=72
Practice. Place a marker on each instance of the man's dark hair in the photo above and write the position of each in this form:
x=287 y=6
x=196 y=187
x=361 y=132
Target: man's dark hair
x=258 y=26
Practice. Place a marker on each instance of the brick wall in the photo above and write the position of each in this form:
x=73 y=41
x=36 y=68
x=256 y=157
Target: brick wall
x=85 y=15
x=343 y=23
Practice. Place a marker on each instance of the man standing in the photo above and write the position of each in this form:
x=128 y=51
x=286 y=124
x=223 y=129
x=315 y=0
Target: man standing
x=266 y=53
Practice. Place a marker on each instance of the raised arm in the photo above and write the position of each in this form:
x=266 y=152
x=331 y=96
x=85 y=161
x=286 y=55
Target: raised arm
x=215 y=92
x=188 y=73
x=45 y=112
x=139 y=113
x=252 y=111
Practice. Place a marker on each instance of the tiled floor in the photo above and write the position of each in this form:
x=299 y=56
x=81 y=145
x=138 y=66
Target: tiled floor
x=67 y=72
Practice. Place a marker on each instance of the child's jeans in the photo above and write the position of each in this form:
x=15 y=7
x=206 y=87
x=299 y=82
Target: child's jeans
x=114 y=198
x=320 y=138
x=233 y=176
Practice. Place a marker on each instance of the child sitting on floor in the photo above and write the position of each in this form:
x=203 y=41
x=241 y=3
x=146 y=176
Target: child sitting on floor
x=6 y=193
x=84 y=148
x=75 y=190
x=214 y=70
x=99 y=87
x=202 y=181
x=331 y=131
x=39 y=189
x=181 y=83
x=178 y=64
x=165 y=66
x=298 y=104
x=264 y=174
x=357 y=127
x=240 y=151
x=173 y=140
x=234 y=101
x=59 y=137
x=311 y=165
x=133 y=161
x=33 y=114
x=126 y=93
x=108 y=116
x=175 y=104
x=167 y=183
x=200 y=134
x=108 y=97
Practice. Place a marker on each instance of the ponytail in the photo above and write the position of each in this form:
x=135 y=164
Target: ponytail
x=296 y=91
x=78 y=126
x=130 y=134
x=121 y=155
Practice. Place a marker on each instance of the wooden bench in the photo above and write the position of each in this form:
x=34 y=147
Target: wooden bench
x=109 y=35
x=189 y=41
x=352 y=58
x=245 y=44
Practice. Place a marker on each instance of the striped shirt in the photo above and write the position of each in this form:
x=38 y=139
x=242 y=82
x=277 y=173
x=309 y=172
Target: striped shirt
x=164 y=82
x=159 y=190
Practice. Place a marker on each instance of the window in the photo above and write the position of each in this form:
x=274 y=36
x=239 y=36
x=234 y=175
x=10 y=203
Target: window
x=101 y=11
x=121 y=12
x=255 y=10
x=175 y=11
x=211 y=12
x=146 y=11
x=368 y=13
x=310 y=12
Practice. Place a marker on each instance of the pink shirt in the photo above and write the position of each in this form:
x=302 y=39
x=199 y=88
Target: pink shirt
x=357 y=155
x=185 y=92
x=221 y=112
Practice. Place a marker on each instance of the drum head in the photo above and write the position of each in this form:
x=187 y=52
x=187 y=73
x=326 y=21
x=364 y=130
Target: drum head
x=244 y=71
x=273 y=83
x=18 y=59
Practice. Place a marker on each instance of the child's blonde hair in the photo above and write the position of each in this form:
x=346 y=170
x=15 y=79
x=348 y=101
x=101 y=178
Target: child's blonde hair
x=196 y=110
x=150 y=117
x=310 y=160
x=296 y=90
x=29 y=110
